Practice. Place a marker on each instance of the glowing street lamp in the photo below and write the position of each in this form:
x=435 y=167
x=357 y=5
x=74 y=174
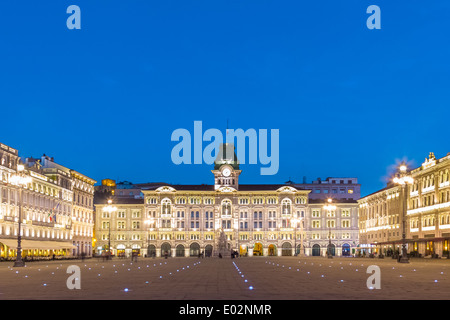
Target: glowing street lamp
x=20 y=180
x=295 y=222
x=149 y=224
x=403 y=178
x=110 y=209
x=329 y=207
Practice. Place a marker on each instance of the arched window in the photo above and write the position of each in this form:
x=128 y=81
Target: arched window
x=166 y=206
x=286 y=206
x=226 y=207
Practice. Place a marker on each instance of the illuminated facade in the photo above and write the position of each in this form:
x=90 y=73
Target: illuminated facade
x=45 y=205
x=380 y=221
x=256 y=220
x=82 y=227
x=428 y=212
x=429 y=207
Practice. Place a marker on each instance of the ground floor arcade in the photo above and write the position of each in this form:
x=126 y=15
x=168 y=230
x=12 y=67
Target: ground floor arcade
x=207 y=249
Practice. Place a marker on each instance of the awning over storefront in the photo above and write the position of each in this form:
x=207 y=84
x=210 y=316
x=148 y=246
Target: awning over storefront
x=38 y=245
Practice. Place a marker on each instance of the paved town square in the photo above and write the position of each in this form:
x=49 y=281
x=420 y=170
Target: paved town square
x=256 y=278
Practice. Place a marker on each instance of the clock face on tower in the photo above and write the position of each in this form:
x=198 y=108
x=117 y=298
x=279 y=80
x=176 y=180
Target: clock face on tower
x=226 y=172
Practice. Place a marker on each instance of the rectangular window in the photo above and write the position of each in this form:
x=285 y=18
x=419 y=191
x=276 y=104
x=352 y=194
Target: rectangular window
x=136 y=214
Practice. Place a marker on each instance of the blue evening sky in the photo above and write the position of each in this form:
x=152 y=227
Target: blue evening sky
x=348 y=101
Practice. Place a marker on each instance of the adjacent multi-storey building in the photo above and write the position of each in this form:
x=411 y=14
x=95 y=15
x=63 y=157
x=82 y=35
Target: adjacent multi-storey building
x=380 y=221
x=186 y=220
x=44 y=205
x=427 y=220
x=82 y=213
x=428 y=212
x=336 y=188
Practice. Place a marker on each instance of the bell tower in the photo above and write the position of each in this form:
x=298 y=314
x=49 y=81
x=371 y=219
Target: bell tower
x=226 y=168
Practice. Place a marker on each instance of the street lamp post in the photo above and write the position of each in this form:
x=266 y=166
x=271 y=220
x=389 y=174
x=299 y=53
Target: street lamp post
x=149 y=223
x=403 y=178
x=295 y=221
x=238 y=233
x=20 y=180
x=110 y=209
x=301 y=238
x=329 y=207
x=330 y=256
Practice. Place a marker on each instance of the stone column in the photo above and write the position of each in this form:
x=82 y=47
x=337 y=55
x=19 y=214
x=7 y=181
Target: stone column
x=438 y=247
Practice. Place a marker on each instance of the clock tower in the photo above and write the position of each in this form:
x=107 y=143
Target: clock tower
x=226 y=168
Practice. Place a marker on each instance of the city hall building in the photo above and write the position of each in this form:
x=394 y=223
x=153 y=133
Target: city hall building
x=253 y=220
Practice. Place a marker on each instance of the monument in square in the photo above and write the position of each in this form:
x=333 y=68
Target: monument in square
x=223 y=244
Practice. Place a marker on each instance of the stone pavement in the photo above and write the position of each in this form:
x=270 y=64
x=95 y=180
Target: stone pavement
x=251 y=278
